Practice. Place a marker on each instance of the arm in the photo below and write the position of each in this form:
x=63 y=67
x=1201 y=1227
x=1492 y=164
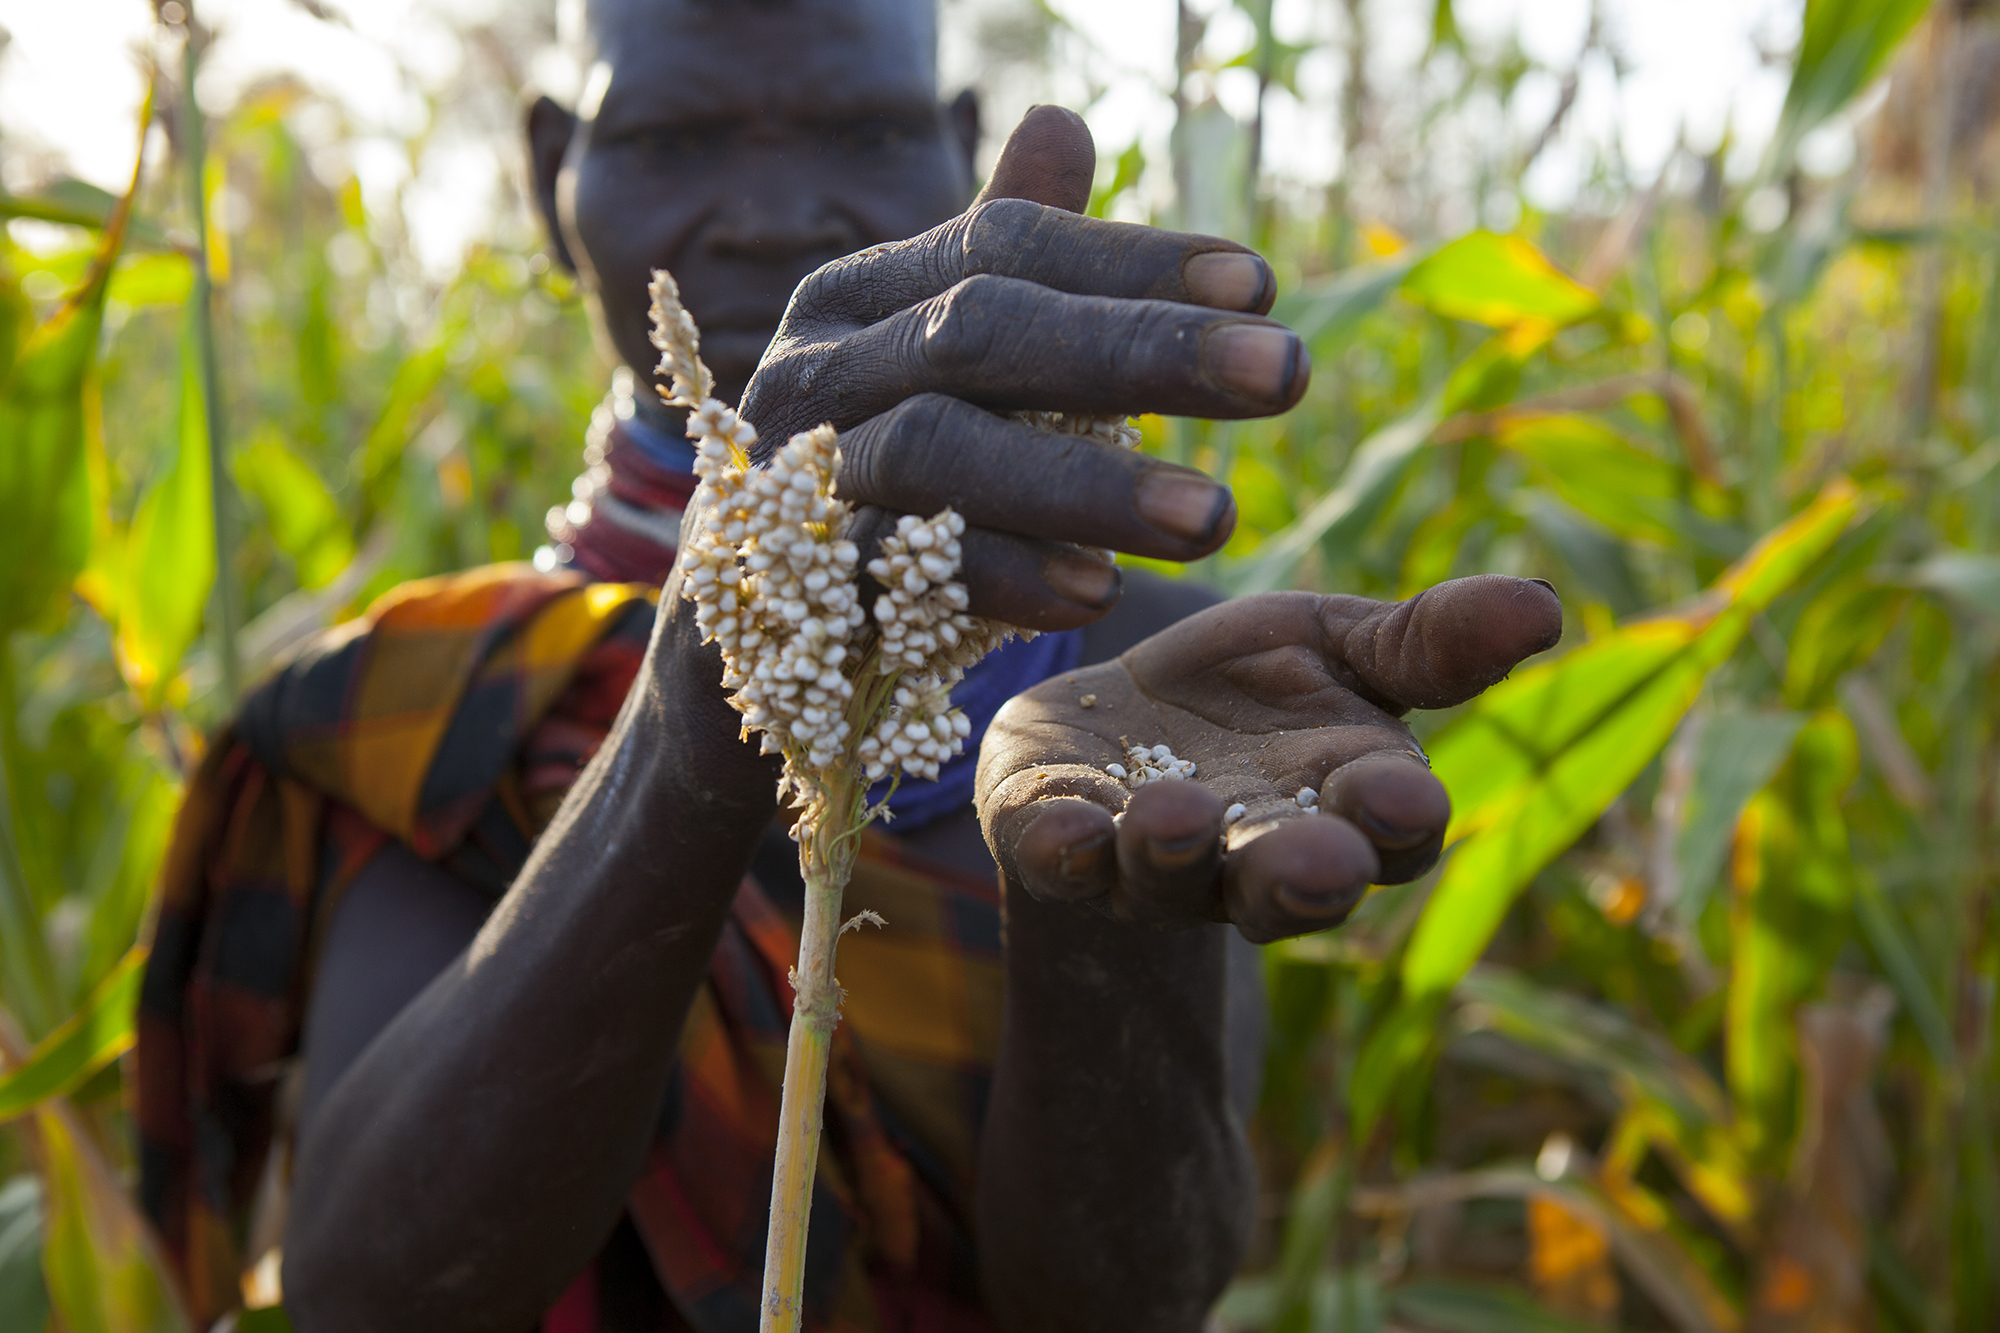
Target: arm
x=1116 y=1188
x=523 y=1082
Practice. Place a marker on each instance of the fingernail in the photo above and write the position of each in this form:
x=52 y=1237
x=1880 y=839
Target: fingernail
x=1079 y=859
x=1259 y=361
x=1228 y=281
x=1384 y=833
x=1304 y=902
x=1082 y=579
x=1183 y=505
x=1173 y=853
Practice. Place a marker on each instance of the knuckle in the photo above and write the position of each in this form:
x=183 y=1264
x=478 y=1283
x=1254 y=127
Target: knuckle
x=821 y=288
x=960 y=332
x=995 y=231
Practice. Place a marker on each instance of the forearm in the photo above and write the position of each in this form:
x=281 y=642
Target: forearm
x=1116 y=1188
x=473 y=1158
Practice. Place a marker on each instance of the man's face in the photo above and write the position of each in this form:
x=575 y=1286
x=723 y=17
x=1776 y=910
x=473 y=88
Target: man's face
x=742 y=145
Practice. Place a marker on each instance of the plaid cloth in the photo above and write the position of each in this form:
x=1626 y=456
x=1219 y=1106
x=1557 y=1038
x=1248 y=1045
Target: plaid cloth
x=453 y=717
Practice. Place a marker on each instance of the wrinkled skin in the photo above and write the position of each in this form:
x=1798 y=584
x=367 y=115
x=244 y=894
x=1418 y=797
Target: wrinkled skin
x=1269 y=697
x=482 y=1086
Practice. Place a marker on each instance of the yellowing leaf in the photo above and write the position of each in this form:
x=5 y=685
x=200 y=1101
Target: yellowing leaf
x=1497 y=280
x=1789 y=916
x=1534 y=820
x=84 y=1044
x=1536 y=761
x=1381 y=240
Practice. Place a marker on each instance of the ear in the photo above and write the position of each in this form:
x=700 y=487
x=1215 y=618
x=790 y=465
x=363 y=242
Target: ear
x=964 y=114
x=550 y=128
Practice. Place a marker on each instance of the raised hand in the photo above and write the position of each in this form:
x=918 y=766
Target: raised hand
x=914 y=351
x=1268 y=696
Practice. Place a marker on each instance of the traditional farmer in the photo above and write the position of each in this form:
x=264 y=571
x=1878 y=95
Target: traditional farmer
x=469 y=983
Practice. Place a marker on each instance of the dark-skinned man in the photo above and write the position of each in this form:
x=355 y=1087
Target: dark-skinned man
x=537 y=1081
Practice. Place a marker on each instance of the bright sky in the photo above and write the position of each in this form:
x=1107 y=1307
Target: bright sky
x=69 y=86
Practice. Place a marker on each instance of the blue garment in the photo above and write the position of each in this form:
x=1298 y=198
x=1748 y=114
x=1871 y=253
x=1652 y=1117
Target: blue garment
x=996 y=678
x=671 y=450
x=1020 y=665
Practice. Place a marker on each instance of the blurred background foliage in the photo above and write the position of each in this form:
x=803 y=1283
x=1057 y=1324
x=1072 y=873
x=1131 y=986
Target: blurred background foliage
x=1693 y=1029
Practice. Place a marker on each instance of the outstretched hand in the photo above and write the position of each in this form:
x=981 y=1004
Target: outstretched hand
x=1268 y=696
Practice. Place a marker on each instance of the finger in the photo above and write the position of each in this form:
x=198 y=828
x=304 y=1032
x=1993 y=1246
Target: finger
x=1066 y=850
x=1026 y=582
x=931 y=451
x=1302 y=875
x=1398 y=804
x=1170 y=853
x=1006 y=344
x=1446 y=644
x=1049 y=159
x=1012 y=238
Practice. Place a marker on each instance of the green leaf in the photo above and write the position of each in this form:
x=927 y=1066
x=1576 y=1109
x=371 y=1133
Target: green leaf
x=170 y=554
x=1498 y=280
x=1521 y=728
x=88 y=1041
x=302 y=515
x=142 y=280
x=1377 y=467
x=1628 y=490
x=24 y=1296
x=1327 y=311
x=1843 y=45
x=1904 y=967
x=270 y=1319
x=416 y=379
x=1597 y=560
x=104 y=1274
x=17 y=316
x=1789 y=917
x=1130 y=166
x=1970 y=578
x=1466 y=1307
x=1444 y=27
x=1642 y=1065
x=43 y=489
x=1527 y=824
x=1537 y=759
x=1735 y=755
x=1840 y=630
x=78 y=203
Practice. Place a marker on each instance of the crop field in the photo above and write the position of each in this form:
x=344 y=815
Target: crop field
x=1692 y=1030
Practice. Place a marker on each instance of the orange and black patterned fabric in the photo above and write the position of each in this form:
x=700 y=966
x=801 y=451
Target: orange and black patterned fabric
x=452 y=718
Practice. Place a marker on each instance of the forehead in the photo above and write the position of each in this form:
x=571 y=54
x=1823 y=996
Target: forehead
x=685 y=54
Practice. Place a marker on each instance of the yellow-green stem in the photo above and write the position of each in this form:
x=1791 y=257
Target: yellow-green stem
x=826 y=860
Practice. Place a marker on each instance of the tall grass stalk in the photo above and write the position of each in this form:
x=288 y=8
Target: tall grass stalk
x=194 y=170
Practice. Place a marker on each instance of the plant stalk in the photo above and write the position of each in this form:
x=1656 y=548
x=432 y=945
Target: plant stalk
x=194 y=144
x=826 y=862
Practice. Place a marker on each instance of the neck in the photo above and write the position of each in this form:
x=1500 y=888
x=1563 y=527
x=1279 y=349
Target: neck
x=624 y=522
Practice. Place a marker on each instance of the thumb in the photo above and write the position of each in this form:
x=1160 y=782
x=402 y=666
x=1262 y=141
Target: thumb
x=1448 y=643
x=1049 y=159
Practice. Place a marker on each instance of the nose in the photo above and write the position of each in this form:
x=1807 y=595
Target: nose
x=774 y=226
